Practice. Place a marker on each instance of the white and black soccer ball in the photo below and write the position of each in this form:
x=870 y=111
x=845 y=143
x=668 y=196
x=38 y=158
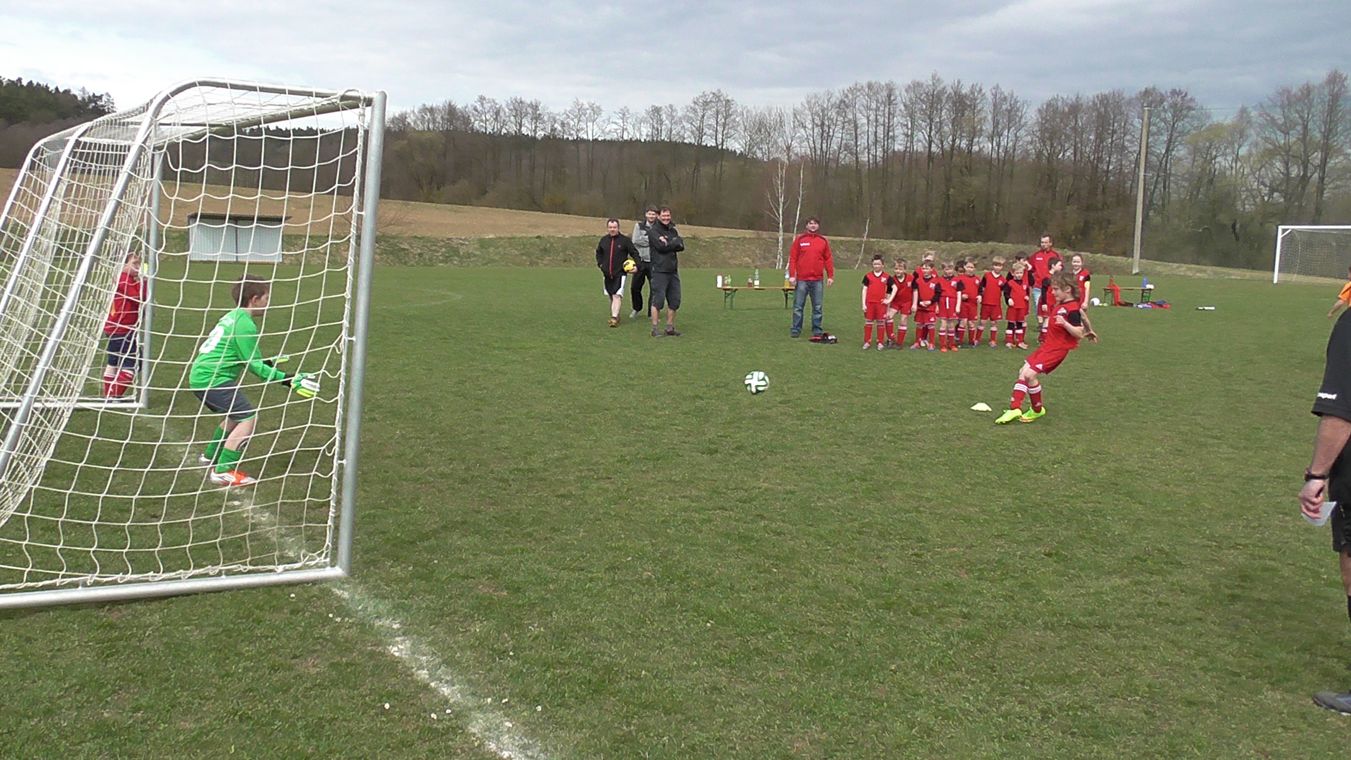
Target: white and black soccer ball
x=757 y=381
x=1094 y=301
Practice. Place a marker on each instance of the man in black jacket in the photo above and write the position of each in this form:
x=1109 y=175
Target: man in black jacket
x=611 y=253
x=1327 y=481
x=664 y=242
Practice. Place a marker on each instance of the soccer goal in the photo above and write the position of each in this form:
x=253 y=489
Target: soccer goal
x=103 y=491
x=1312 y=251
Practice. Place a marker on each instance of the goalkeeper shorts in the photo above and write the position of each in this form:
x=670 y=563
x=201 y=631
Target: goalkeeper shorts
x=229 y=400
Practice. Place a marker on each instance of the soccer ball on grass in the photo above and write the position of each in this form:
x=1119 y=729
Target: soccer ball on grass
x=757 y=381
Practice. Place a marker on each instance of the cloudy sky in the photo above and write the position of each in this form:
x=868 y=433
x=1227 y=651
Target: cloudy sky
x=1226 y=52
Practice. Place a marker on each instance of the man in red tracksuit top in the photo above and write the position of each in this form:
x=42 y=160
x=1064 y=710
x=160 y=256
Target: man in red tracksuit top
x=808 y=262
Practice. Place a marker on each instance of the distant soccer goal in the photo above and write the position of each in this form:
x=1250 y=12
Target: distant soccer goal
x=120 y=244
x=1312 y=251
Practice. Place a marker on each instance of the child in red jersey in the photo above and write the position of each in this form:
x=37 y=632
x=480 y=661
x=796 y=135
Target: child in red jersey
x=949 y=303
x=878 y=290
x=1047 y=299
x=966 y=315
x=1017 y=295
x=1068 y=324
x=991 y=297
x=124 y=316
x=924 y=303
x=900 y=304
x=1082 y=278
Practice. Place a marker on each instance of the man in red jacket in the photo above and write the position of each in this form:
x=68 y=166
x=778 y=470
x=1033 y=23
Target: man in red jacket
x=808 y=262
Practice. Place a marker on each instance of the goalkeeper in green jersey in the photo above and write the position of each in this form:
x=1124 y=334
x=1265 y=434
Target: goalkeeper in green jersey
x=228 y=350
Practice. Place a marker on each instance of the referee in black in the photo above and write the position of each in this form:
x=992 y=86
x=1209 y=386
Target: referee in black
x=1329 y=475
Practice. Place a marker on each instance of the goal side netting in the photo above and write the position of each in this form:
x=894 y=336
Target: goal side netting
x=1311 y=251
x=103 y=489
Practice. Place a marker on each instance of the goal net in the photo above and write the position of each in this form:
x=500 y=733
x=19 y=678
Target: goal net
x=1312 y=251
x=103 y=489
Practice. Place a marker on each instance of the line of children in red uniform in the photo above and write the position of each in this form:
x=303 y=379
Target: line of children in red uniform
x=957 y=308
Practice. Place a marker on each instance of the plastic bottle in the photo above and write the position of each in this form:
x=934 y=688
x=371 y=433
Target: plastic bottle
x=1323 y=514
x=757 y=278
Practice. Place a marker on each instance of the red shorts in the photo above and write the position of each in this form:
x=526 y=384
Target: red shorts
x=1045 y=359
x=901 y=307
x=991 y=311
x=875 y=310
x=924 y=316
x=1017 y=315
x=968 y=310
x=947 y=309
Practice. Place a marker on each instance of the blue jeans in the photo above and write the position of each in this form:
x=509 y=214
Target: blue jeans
x=816 y=289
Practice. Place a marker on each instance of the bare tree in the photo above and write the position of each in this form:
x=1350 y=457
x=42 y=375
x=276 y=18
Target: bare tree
x=1332 y=134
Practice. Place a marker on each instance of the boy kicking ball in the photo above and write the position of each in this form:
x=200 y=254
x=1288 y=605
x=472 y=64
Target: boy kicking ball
x=230 y=348
x=1068 y=324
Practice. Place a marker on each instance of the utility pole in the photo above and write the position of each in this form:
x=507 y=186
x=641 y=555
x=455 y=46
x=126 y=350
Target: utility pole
x=1140 y=190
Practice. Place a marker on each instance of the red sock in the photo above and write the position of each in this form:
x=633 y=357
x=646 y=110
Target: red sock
x=1008 y=335
x=900 y=335
x=891 y=331
x=109 y=374
x=961 y=334
x=867 y=332
x=1034 y=392
x=1041 y=334
x=980 y=332
x=124 y=381
x=1021 y=335
x=1019 y=392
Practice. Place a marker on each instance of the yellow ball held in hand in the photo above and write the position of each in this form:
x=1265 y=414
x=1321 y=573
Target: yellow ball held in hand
x=630 y=266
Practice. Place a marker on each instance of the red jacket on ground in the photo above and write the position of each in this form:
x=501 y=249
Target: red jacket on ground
x=810 y=258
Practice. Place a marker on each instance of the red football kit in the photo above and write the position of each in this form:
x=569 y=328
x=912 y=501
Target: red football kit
x=970 y=287
x=1082 y=277
x=905 y=291
x=877 y=286
x=125 y=311
x=927 y=289
x=991 y=296
x=1059 y=342
x=947 y=298
x=1018 y=297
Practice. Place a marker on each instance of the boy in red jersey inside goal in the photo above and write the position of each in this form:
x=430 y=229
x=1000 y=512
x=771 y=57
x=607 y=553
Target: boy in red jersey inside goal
x=1067 y=324
x=124 y=316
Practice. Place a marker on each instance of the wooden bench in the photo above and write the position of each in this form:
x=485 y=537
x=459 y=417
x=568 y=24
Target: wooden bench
x=729 y=293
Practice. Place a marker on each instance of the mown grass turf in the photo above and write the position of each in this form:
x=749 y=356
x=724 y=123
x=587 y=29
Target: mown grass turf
x=608 y=527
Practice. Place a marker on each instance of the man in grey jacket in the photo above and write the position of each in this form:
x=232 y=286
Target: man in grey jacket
x=644 y=272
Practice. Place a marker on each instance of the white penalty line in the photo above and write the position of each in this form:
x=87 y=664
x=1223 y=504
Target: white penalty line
x=486 y=724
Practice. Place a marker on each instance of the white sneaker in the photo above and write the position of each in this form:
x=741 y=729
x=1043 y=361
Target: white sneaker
x=204 y=459
x=232 y=479
x=633 y=314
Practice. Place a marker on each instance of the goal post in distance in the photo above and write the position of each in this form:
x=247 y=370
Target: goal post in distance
x=1306 y=250
x=105 y=498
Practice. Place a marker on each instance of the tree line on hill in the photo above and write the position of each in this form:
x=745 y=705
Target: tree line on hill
x=929 y=159
x=30 y=111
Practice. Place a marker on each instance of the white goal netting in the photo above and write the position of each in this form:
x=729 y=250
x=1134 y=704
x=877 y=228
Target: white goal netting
x=102 y=485
x=1312 y=251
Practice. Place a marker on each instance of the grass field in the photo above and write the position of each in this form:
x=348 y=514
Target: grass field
x=602 y=546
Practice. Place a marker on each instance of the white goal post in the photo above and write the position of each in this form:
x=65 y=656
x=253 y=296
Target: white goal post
x=104 y=487
x=1307 y=250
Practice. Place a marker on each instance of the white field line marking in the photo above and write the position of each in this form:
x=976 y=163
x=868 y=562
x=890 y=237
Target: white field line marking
x=487 y=724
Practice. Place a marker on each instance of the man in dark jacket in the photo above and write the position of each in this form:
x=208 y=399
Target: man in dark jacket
x=1327 y=481
x=665 y=242
x=644 y=262
x=611 y=253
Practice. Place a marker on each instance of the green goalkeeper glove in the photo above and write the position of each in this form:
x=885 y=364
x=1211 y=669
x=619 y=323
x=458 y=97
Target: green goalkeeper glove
x=305 y=384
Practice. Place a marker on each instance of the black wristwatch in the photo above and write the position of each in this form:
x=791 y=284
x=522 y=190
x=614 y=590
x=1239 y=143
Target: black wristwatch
x=1310 y=475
